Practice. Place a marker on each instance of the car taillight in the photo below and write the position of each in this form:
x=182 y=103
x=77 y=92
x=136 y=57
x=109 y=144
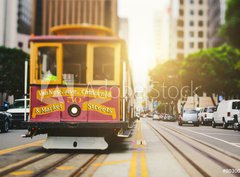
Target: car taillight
x=228 y=114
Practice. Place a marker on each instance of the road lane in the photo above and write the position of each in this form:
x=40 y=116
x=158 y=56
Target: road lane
x=228 y=142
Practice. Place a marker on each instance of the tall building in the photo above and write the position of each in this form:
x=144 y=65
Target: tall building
x=49 y=13
x=165 y=32
x=216 y=12
x=192 y=27
x=15 y=23
x=161 y=41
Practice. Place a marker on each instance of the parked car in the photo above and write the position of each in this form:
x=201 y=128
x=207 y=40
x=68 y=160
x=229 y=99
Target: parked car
x=5 y=121
x=168 y=117
x=189 y=116
x=156 y=117
x=226 y=114
x=205 y=115
x=17 y=111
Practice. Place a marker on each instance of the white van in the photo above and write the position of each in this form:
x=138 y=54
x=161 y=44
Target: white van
x=17 y=111
x=225 y=113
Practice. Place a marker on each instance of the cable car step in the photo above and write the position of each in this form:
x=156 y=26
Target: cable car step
x=124 y=133
x=60 y=142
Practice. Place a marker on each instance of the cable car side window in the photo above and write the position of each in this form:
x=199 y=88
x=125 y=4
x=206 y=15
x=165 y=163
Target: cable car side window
x=46 y=59
x=103 y=63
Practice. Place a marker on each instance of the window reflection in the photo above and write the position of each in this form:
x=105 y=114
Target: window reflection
x=103 y=63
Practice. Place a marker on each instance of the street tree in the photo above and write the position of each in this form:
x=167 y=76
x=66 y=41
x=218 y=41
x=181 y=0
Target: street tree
x=12 y=71
x=230 y=30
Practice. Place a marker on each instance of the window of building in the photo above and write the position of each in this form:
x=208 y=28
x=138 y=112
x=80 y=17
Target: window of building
x=200 y=1
x=181 y=12
x=191 y=33
x=74 y=63
x=20 y=44
x=180 y=33
x=191 y=12
x=191 y=1
x=200 y=23
x=103 y=63
x=180 y=45
x=200 y=45
x=180 y=23
x=200 y=34
x=191 y=45
x=181 y=2
x=191 y=23
x=200 y=12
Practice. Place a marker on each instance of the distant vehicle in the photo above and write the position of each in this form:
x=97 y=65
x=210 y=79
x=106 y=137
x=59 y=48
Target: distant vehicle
x=226 y=113
x=5 y=121
x=168 y=117
x=17 y=111
x=150 y=115
x=156 y=117
x=205 y=115
x=189 y=117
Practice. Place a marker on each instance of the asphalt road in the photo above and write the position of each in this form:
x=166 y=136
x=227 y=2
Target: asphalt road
x=225 y=139
x=13 y=138
x=145 y=153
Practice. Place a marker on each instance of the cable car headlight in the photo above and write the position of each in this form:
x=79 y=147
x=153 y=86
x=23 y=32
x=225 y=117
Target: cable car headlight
x=74 y=110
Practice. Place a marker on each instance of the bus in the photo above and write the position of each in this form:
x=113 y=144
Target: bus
x=81 y=87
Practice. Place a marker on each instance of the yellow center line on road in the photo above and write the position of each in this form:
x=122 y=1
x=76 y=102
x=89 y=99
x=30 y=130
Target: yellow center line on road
x=143 y=164
x=133 y=167
x=13 y=149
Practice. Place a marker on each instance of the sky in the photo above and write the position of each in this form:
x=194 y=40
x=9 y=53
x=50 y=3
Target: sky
x=141 y=43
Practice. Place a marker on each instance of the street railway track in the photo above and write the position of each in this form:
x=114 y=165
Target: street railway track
x=183 y=144
x=31 y=163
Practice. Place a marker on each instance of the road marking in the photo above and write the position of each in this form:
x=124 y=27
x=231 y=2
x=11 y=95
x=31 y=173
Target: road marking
x=65 y=168
x=140 y=150
x=227 y=142
x=143 y=164
x=13 y=149
x=110 y=163
x=20 y=162
x=223 y=134
x=19 y=173
x=133 y=167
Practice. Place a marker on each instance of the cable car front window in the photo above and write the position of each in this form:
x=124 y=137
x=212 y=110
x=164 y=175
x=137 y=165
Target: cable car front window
x=47 y=57
x=74 y=63
x=103 y=63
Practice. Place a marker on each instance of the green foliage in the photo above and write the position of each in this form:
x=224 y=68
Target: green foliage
x=216 y=70
x=230 y=30
x=161 y=108
x=12 y=71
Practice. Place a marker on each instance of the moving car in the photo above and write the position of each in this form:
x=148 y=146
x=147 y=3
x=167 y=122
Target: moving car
x=5 y=121
x=17 y=111
x=205 y=115
x=226 y=114
x=189 y=116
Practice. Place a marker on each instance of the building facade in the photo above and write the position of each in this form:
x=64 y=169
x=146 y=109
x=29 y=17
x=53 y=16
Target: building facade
x=216 y=12
x=192 y=27
x=49 y=13
x=15 y=23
